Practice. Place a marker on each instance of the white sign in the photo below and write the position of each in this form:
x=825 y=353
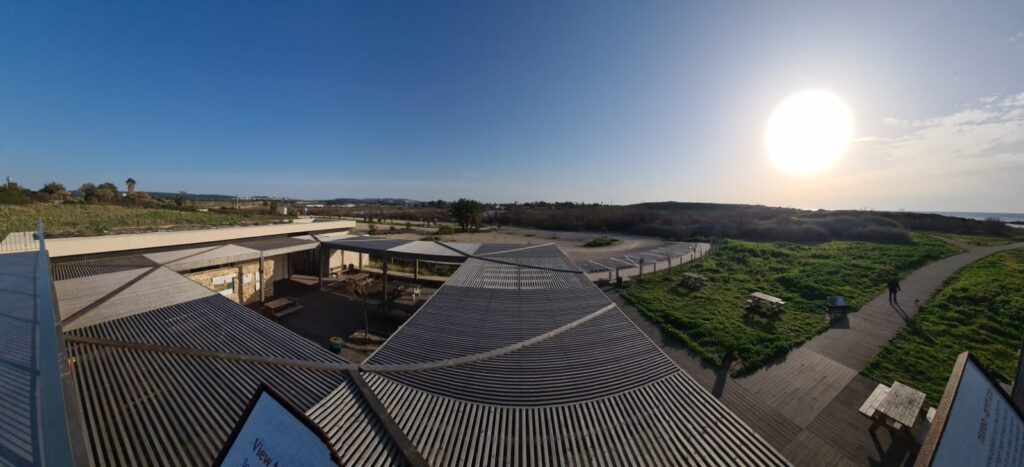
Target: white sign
x=982 y=428
x=273 y=434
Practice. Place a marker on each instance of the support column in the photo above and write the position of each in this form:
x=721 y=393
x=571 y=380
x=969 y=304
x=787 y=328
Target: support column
x=416 y=270
x=320 y=268
x=240 y=289
x=260 y=281
x=385 y=292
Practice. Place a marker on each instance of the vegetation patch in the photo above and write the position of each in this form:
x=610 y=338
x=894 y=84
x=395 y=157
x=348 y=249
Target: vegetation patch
x=979 y=310
x=713 y=321
x=698 y=221
x=988 y=240
x=96 y=219
x=601 y=241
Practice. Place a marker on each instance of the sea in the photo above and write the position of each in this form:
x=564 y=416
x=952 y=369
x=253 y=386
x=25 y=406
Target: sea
x=1003 y=216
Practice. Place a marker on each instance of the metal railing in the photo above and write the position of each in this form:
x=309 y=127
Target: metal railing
x=19 y=241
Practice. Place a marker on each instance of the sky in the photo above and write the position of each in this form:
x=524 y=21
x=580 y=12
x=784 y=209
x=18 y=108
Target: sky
x=612 y=102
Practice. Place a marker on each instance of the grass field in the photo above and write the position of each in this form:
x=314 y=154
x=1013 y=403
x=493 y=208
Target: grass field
x=979 y=309
x=84 y=219
x=713 y=320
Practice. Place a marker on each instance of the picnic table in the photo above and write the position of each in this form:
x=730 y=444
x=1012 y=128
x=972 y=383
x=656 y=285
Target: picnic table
x=282 y=306
x=899 y=405
x=764 y=302
x=414 y=289
x=693 y=280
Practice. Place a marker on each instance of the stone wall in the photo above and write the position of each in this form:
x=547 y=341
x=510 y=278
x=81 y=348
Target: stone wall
x=240 y=278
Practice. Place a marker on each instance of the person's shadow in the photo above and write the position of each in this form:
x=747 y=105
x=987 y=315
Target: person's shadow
x=899 y=309
x=722 y=374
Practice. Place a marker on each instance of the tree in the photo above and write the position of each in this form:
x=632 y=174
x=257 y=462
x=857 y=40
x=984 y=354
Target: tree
x=11 y=193
x=88 y=191
x=105 y=195
x=130 y=183
x=467 y=212
x=138 y=198
x=54 y=189
x=182 y=199
x=108 y=186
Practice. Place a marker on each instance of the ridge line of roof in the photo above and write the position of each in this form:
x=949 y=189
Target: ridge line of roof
x=510 y=263
x=275 y=361
x=489 y=354
x=409 y=451
x=661 y=379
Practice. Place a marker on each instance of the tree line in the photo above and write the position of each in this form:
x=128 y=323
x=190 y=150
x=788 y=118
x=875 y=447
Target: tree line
x=89 y=193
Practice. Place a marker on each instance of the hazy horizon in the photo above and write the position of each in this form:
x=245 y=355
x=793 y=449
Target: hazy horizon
x=501 y=101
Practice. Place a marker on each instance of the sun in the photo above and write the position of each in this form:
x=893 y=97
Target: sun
x=808 y=132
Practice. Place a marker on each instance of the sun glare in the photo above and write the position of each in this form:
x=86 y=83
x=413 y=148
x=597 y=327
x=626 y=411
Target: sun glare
x=808 y=132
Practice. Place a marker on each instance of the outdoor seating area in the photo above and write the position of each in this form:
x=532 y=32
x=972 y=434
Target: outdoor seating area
x=765 y=303
x=900 y=407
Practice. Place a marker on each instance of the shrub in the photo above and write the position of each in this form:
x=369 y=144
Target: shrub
x=601 y=241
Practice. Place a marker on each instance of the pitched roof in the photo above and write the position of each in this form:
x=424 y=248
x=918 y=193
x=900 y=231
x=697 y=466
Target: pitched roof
x=519 y=359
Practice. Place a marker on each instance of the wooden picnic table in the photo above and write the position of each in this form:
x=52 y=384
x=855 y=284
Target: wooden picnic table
x=280 y=303
x=901 y=404
x=282 y=306
x=693 y=280
x=762 y=301
x=413 y=288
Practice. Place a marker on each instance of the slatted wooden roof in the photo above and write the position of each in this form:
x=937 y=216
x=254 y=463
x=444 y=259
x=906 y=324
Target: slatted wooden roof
x=517 y=359
x=162 y=380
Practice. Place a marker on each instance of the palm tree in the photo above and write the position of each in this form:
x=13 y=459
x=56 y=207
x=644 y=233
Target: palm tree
x=131 y=185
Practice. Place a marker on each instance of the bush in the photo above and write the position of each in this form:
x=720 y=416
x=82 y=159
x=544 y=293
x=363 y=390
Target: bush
x=697 y=221
x=601 y=241
x=445 y=230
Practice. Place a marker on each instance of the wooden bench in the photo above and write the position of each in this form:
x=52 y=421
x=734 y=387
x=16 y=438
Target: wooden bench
x=869 y=405
x=282 y=307
x=926 y=425
x=765 y=303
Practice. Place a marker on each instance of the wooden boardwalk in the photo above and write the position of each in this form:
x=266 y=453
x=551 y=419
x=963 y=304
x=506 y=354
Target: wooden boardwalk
x=806 y=402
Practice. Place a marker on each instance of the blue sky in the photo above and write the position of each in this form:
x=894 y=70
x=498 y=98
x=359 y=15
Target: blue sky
x=514 y=101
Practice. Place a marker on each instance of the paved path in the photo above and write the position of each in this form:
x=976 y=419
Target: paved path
x=806 y=402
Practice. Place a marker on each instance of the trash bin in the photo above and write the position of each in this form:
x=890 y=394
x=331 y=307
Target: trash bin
x=335 y=343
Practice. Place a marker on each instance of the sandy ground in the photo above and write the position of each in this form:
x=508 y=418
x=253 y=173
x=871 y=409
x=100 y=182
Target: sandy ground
x=570 y=242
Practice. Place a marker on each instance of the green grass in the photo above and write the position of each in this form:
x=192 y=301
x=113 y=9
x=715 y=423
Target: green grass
x=979 y=309
x=713 y=320
x=84 y=219
x=601 y=241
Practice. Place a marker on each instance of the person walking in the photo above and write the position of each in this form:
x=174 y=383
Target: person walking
x=894 y=290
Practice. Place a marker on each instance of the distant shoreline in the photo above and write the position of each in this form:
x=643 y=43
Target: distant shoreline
x=1003 y=216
